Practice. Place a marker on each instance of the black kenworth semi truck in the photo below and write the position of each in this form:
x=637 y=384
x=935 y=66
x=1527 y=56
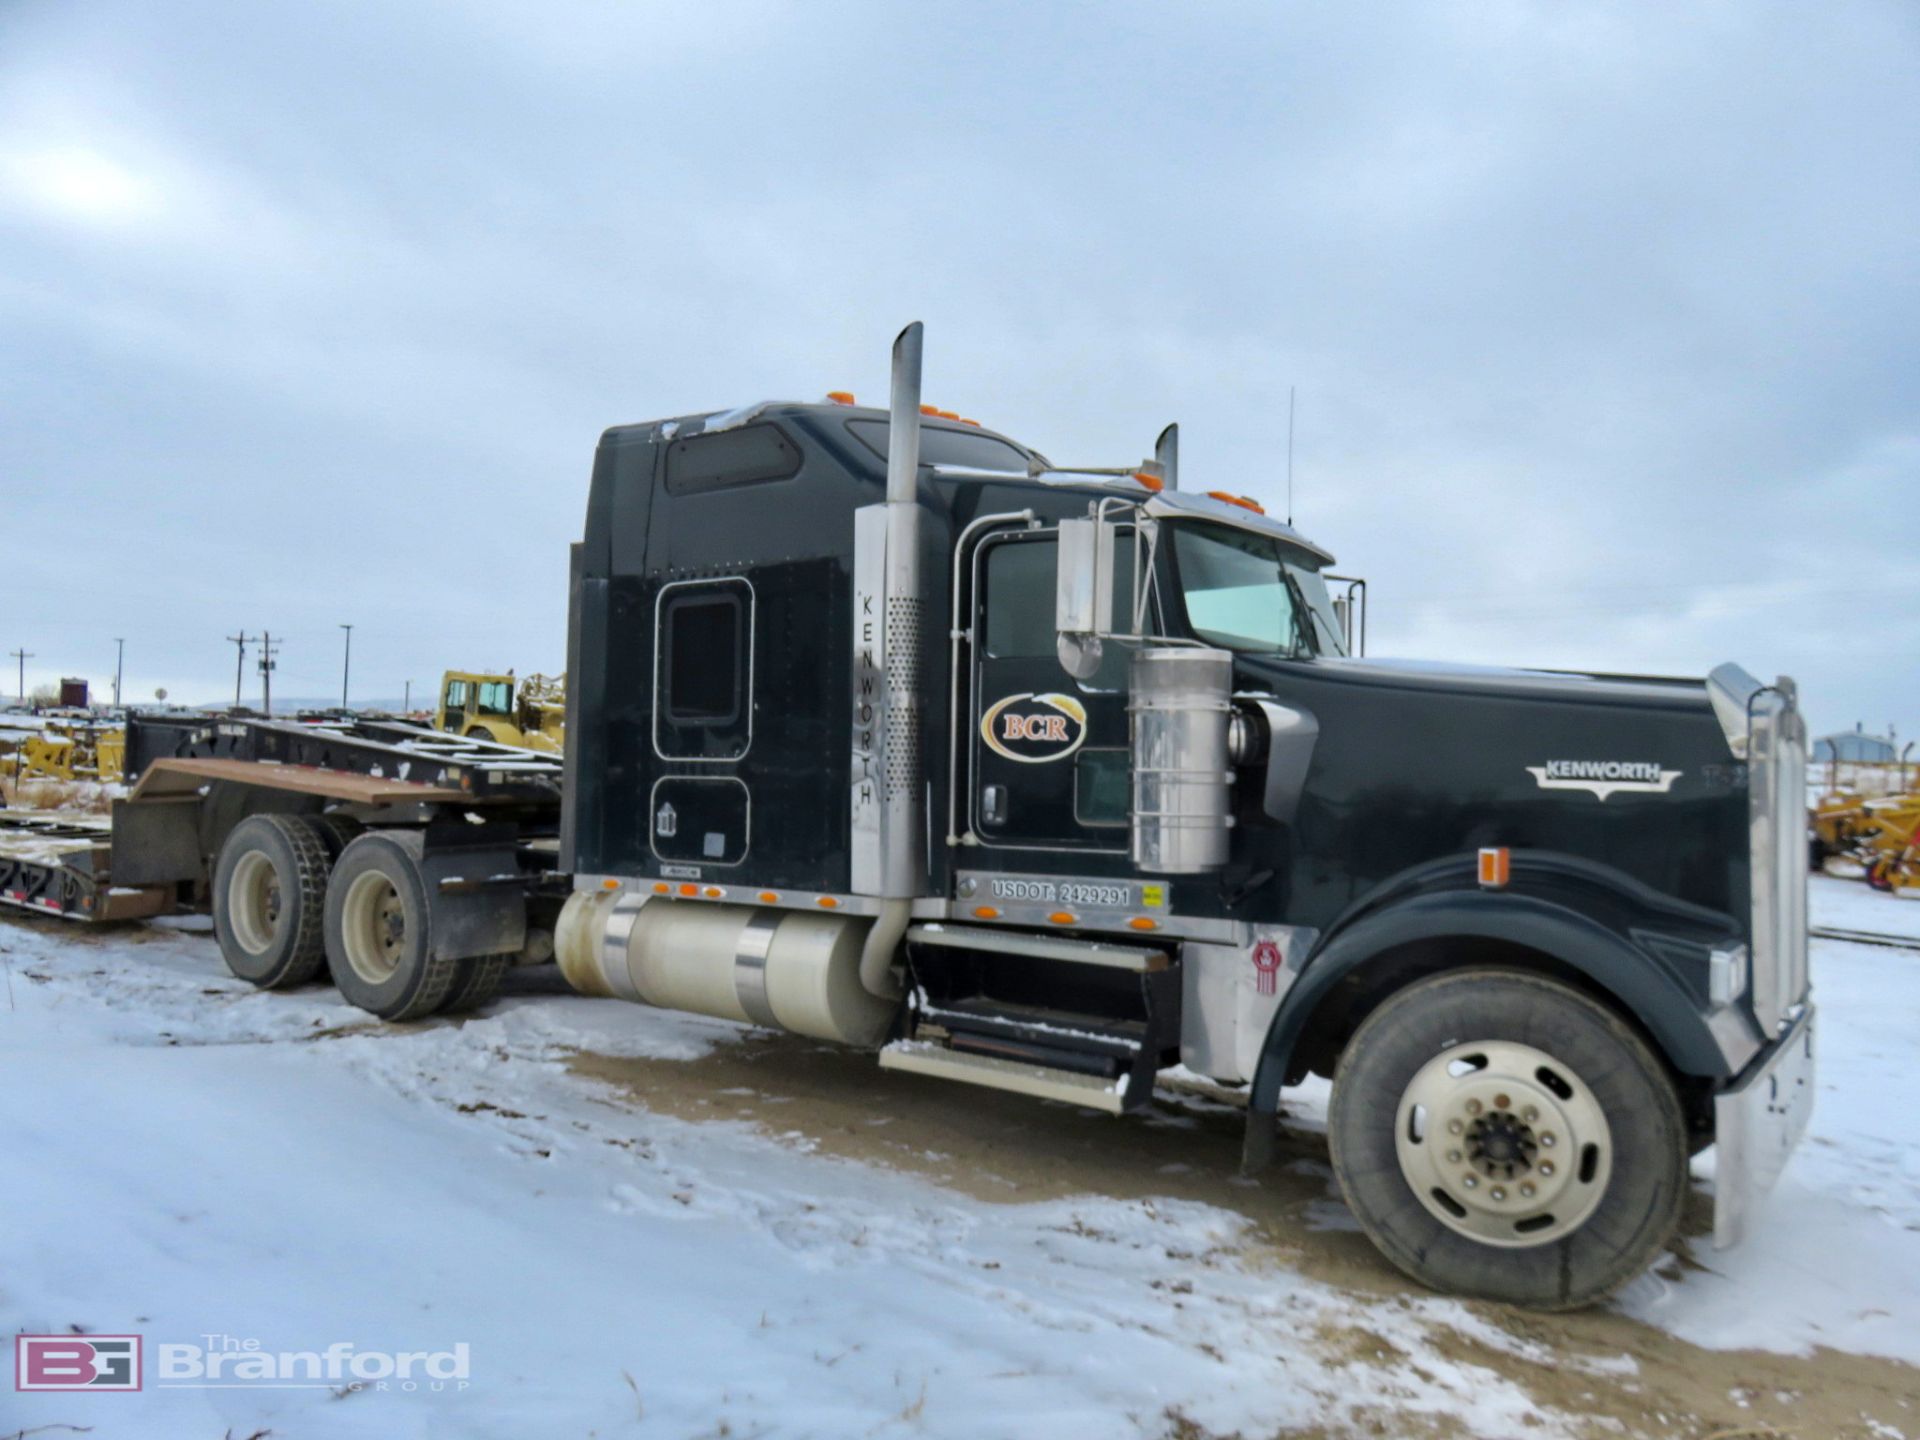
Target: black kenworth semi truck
x=884 y=729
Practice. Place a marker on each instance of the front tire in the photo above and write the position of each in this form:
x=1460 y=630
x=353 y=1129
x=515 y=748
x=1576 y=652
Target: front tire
x=1501 y=1135
x=379 y=942
x=269 y=893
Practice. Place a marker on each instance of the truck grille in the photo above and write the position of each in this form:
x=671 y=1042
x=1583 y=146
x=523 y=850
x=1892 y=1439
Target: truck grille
x=1777 y=803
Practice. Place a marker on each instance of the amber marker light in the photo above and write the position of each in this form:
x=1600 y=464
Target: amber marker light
x=827 y=902
x=714 y=892
x=770 y=897
x=1150 y=481
x=1141 y=922
x=689 y=889
x=609 y=884
x=1496 y=867
x=841 y=397
x=662 y=888
x=1063 y=917
x=985 y=912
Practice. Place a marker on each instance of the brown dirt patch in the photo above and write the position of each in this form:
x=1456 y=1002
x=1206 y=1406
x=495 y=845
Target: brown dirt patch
x=1011 y=1149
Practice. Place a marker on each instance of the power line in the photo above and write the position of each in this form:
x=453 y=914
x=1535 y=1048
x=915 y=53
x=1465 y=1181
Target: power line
x=240 y=661
x=346 y=666
x=267 y=664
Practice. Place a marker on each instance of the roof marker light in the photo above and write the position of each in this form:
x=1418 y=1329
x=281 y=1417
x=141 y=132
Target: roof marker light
x=974 y=423
x=930 y=410
x=1150 y=480
x=841 y=397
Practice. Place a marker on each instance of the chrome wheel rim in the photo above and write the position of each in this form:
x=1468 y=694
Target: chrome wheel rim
x=1503 y=1143
x=373 y=927
x=253 y=902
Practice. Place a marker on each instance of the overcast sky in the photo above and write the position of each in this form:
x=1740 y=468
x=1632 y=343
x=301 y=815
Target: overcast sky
x=1605 y=319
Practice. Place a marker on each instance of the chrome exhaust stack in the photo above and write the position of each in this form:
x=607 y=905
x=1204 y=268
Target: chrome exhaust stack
x=889 y=823
x=1166 y=454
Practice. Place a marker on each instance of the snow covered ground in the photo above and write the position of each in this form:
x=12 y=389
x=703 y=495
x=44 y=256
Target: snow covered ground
x=184 y=1157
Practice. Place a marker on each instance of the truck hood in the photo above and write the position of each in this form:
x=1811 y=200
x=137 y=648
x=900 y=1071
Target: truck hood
x=1565 y=687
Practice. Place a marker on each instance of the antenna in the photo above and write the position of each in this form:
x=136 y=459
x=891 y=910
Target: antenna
x=1289 y=454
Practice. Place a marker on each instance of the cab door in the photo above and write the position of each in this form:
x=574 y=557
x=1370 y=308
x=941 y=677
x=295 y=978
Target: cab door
x=453 y=706
x=1049 y=764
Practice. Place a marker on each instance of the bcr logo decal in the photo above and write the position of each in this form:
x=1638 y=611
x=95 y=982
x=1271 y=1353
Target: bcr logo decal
x=1034 y=728
x=76 y=1362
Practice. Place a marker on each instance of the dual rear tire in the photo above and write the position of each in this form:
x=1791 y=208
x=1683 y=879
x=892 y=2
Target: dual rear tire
x=293 y=894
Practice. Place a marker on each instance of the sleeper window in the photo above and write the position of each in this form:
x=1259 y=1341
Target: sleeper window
x=704 y=670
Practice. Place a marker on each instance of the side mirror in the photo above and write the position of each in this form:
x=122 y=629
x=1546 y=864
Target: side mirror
x=1083 y=594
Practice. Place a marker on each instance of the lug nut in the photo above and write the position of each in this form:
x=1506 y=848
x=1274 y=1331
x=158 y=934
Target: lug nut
x=1498 y=1193
x=1526 y=1189
x=1547 y=1142
x=1473 y=1107
x=1530 y=1114
x=1501 y=1102
x=1454 y=1127
x=1472 y=1182
x=1546 y=1167
x=1453 y=1157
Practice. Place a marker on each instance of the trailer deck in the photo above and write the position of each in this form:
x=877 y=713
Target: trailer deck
x=57 y=862
x=62 y=862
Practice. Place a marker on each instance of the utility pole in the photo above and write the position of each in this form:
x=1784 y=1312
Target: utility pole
x=23 y=656
x=267 y=647
x=240 y=662
x=119 y=667
x=346 y=666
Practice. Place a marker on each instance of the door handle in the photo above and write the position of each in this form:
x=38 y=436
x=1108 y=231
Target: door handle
x=993 y=804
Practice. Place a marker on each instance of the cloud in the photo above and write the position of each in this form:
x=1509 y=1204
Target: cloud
x=1602 y=317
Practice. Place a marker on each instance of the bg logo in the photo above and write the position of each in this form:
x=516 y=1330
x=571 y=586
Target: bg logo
x=76 y=1362
x=1034 y=728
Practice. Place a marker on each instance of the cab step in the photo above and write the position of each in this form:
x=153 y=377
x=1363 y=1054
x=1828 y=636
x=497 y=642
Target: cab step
x=925 y=1057
x=1090 y=1022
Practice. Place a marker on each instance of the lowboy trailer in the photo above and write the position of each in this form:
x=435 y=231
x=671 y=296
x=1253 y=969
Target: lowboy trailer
x=883 y=729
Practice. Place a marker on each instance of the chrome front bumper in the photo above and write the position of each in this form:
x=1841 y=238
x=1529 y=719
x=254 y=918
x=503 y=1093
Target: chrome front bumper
x=1757 y=1122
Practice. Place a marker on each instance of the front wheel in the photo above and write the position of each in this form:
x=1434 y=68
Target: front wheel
x=1502 y=1135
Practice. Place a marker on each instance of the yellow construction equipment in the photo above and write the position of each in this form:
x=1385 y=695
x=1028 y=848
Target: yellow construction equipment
x=1876 y=838
x=1889 y=842
x=74 y=750
x=530 y=713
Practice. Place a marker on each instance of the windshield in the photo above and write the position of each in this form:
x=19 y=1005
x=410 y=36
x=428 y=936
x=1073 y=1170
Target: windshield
x=1253 y=593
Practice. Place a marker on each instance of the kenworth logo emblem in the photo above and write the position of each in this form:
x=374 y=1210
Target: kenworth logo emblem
x=1604 y=777
x=1034 y=728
